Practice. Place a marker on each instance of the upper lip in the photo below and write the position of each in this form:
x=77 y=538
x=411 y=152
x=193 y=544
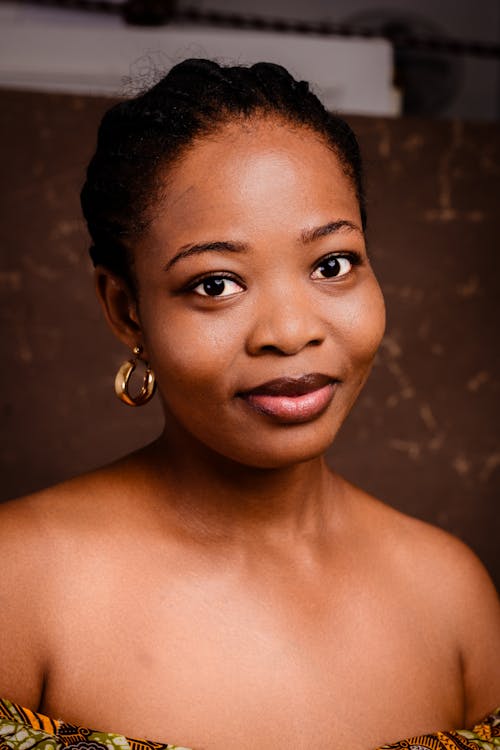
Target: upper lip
x=291 y=386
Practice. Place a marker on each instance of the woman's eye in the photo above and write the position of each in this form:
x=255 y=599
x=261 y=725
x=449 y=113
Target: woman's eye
x=217 y=286
x=332 y=267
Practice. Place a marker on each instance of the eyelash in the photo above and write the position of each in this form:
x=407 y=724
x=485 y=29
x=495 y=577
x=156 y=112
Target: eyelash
x=354 y=259
x=218 y=275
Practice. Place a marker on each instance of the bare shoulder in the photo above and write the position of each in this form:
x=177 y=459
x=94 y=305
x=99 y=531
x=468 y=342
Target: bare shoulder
x=26 y=543
x=64 y=513
x=42 y=537
x=417 y=545
x=38 y=520
x=450 y=584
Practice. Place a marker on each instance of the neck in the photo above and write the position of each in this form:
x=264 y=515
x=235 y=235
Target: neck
x=214 y=497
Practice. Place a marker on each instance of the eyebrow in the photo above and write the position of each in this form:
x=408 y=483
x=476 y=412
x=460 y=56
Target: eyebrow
x=333 y=227
x=205 y=247
x=306 y=236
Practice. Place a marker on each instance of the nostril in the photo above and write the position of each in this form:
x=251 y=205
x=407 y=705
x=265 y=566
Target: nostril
x=289 y=350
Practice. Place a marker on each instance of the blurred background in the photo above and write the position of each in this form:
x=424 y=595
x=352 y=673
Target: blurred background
x=367 y=56
x=419 y=82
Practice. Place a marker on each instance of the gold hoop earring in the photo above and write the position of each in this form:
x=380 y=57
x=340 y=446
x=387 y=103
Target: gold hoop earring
x=123 y=377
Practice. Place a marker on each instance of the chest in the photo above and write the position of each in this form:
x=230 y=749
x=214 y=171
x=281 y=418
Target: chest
x=212 y=664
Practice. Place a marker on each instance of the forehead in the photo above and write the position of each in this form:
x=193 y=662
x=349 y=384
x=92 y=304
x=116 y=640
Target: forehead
x=258 y=143
x=258 y=171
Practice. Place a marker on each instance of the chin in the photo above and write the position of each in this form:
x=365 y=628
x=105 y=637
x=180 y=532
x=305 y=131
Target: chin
x=285 y=450
x=259 y=443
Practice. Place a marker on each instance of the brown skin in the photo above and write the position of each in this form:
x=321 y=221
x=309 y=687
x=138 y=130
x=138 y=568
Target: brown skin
x=221 y=587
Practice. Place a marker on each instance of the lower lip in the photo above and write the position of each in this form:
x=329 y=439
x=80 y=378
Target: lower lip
x=293 y=409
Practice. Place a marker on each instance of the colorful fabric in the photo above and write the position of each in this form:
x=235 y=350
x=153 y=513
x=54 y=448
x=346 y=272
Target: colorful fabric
x=484 y=736
x=22 y=729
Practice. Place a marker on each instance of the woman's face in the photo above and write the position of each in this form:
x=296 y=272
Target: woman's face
x=259 y=311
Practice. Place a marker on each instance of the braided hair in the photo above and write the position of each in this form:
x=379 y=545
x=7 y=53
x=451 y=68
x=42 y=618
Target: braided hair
x=141 y=136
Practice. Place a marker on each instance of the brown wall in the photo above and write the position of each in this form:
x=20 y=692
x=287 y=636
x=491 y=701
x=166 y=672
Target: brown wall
x=423 y=435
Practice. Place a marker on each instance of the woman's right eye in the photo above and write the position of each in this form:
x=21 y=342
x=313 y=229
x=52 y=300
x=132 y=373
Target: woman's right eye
x=217 y=286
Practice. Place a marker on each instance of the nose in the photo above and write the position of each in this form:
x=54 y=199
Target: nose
x=285 y=324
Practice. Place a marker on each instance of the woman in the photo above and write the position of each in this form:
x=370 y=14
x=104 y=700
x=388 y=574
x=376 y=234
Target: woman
x=222 y=587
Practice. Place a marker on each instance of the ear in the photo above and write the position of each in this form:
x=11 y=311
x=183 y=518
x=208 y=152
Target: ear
x=119 y=305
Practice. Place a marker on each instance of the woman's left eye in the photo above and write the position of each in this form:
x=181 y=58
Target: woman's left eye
x=217 y=286
x=333 y=267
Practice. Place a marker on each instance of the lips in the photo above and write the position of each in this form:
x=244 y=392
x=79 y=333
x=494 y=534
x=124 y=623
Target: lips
x=292 y=400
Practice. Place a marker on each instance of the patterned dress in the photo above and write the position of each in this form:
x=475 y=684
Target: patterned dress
x=22 y=729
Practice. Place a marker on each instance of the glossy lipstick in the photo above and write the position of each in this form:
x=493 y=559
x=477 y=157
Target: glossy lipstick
x=292 y=400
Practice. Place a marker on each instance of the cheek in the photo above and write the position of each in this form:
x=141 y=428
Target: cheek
x=188 y=350
x=365 y=324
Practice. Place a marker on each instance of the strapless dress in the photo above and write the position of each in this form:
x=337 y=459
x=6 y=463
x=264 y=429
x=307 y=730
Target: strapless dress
x=22 y=729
